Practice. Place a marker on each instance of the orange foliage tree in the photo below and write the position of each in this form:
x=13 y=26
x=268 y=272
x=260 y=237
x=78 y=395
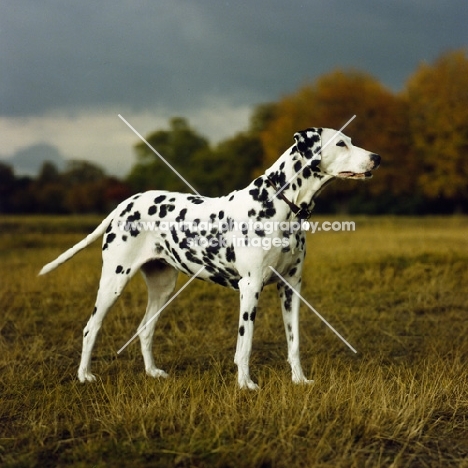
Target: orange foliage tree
x=331 y=101
x=437 y=97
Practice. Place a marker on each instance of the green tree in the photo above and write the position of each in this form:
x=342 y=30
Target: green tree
x=7 y=187
x=178 y=146
x=230 y=166
x=49 y=173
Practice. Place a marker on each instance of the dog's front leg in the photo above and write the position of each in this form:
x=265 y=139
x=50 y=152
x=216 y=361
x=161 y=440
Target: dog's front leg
x=249 y=293
x=290 y=303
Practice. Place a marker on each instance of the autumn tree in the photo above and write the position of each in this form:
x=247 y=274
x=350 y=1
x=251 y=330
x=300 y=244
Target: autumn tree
x=437 y=97
x=380 y=126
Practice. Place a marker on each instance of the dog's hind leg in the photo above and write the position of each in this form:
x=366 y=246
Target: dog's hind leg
x=160 y=280
x=249 y=293
x=112 y=283
x=290 y=303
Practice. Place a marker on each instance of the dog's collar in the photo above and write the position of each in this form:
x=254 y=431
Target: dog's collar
x=301 y=213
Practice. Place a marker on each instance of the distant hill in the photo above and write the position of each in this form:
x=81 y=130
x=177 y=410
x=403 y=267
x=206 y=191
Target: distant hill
x=28 y=161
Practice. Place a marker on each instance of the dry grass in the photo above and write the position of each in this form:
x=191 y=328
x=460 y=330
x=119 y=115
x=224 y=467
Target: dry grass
x=395 y=288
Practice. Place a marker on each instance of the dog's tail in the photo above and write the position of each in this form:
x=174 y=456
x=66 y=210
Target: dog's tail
x=98 y=232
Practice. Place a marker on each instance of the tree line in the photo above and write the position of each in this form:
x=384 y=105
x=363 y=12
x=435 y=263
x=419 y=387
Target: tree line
x=421 y=133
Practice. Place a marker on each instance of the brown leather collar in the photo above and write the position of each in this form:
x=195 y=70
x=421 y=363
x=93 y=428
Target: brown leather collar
x=300 y=213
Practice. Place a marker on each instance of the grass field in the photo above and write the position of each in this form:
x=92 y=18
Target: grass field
x=396 y=288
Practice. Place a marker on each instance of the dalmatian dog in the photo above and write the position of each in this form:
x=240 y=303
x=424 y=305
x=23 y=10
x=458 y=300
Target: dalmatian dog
x=234 y=241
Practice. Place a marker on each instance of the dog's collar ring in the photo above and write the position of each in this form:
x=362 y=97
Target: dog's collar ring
x=301 y=213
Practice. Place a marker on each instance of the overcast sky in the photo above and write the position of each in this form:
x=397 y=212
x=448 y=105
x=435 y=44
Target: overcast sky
x=67 y=69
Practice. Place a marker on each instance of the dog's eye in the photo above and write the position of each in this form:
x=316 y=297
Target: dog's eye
x=341 y=143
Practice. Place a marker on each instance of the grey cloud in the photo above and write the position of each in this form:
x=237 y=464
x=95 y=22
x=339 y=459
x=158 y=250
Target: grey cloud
x=175 y=54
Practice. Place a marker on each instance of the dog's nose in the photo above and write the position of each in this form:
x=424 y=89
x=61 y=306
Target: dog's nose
x=375 y=158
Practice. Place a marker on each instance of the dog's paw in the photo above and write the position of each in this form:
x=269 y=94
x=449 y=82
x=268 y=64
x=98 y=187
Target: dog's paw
x=248 y=384
x=302 y=381
x=86 y=376
x=157 y=373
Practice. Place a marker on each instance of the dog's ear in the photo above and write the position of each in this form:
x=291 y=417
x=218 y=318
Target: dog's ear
x=309 y=145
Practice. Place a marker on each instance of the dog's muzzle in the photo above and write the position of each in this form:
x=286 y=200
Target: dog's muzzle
x=374 y=159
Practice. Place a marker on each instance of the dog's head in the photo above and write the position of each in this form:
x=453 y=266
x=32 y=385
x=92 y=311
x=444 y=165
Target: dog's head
x=330 y=152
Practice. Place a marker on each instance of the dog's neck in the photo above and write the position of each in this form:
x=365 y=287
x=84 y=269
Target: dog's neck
x=295 y=180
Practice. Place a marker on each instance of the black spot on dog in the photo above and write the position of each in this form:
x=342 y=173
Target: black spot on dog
x=130 y=220
x=231 y=198
x=213 y=248
x=221 y=215
x=181 y=216
x=94 y=311
x=134 y=217
x=162 y=211
x=306 y=173
x=270 y=212
x=119 y=269
x=193 y=258
x=109 y=228
x=128 y=271
x=297 y=166
x=174 y=235
x=127 y=209
x=251 y=213
x=171 y=200
x=109 y=238
x=260 y=232
x=230 y=254
x=253 y=314
x=232 y=272
x=218 y=279
x=255 y=193
x=159 y=199
x=259 y=196
x=185 y=267
x=196 y=200
x=124 y=238
x=152 y=210
x=170 y=208
x=241 y=330
x=288 y=299
x=176 y=256
x=292 y=271
x=228 y=225
x=258 y=182
x=246 y=316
